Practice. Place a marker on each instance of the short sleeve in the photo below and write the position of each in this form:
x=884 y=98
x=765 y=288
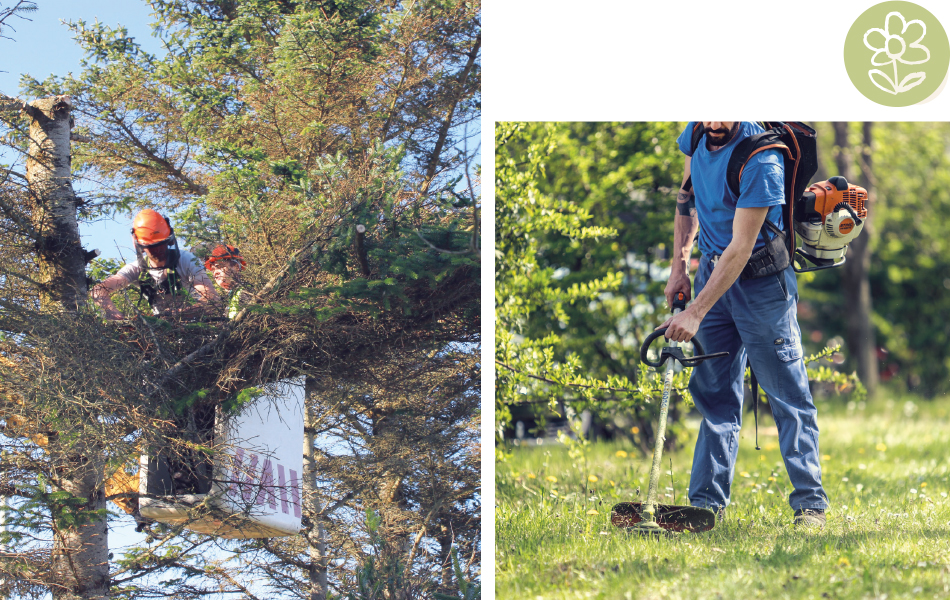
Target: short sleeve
x=763 y=181
x=130 y=272
x=192 y=270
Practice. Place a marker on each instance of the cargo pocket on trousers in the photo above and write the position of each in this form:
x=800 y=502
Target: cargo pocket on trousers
x=788 y=349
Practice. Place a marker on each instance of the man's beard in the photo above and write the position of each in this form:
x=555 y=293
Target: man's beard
x=727 y=136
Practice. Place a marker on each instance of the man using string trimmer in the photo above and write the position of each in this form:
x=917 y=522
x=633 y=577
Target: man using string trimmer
x=745 y=304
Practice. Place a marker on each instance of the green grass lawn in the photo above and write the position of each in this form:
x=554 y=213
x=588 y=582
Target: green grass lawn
x=886 y=468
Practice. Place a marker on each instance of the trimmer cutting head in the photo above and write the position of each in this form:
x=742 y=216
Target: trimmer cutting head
x=668 y=518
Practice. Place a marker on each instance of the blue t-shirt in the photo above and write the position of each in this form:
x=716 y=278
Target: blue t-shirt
x=762 y=184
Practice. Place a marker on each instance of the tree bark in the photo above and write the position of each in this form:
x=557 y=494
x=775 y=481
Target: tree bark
x=80 y=557
x=316 y=534
x=62 y=264
x=856 y=285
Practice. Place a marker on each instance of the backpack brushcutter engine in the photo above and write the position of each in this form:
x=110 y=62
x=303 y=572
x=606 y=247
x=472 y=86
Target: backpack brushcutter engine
x=830 y=215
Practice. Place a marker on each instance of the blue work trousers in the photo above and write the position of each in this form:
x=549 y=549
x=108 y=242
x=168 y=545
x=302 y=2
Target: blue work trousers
x=755 y=318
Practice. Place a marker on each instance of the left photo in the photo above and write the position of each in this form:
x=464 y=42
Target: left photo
x=240 y=298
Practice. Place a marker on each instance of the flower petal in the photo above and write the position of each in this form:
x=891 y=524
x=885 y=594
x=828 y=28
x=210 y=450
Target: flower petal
x=889 y=90
x=894 y=23
x=915 y=55
x=880 y=64
x=911 y=29
x=877 y=37
x=912 y=80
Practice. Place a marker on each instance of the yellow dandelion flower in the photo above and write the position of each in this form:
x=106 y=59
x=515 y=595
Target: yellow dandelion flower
x=744 y=474
x=612 y=484
x=923 y=485
x=860 y=450
x=825 y=457
x=592 y=478
x=551 y=478
x=634 y=430
x=532 y=476
x=880 y=447
x=761 y=457
x=844 y=562
x=621 y=454
x=772 y=479
x=592 y=512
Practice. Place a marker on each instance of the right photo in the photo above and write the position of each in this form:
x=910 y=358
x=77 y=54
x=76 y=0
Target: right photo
x=722 y=359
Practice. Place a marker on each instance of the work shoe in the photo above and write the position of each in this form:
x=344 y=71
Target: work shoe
x=809 y=517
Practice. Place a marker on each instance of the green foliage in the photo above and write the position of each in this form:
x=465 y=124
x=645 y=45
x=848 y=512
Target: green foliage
x=468 y=590
x=234 y=404
x=382 y=572
x=101 y=268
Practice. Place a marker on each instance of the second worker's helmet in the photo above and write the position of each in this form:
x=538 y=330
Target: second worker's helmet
x=225 y=252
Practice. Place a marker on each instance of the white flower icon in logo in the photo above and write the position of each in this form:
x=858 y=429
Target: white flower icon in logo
x=890 y=42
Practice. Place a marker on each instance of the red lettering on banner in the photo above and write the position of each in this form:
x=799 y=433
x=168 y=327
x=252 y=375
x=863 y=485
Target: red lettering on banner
x=267 y=486
x=295 y=492
x=283 y=490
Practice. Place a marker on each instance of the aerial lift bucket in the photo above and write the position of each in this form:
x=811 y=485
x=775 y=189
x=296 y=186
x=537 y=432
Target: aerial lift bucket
x=253 y=489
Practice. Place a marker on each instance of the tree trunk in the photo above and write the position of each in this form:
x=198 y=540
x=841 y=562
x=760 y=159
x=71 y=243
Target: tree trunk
x=445 y=558
x=61 y=261
x=80 y=566
x=316 y=534
x=855 y=282
x=80 y=557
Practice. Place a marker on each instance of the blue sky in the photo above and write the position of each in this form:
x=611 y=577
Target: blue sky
x=44 y=46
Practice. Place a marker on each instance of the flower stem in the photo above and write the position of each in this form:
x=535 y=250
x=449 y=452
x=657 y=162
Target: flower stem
x=896 y=91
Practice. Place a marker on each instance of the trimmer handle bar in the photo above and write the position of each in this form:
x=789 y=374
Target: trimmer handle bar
x=675 y=353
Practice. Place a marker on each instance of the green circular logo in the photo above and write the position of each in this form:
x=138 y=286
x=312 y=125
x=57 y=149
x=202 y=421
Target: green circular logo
x=897 y=54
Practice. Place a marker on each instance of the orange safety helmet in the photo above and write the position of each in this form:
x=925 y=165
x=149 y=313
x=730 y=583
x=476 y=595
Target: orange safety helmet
x=224 y=252
x=149 y=227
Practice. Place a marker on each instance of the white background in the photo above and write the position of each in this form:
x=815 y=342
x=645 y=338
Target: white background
x=599 y=60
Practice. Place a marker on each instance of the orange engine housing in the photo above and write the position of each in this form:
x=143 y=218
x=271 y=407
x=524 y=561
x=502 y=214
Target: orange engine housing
x=820 y=199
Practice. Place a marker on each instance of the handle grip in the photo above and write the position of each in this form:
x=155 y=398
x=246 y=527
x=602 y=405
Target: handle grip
x=656 y=334
x=675 y=353
x=679 y=303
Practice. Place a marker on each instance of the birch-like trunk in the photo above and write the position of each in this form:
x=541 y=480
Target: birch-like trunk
x=80 y=558
x=60 y=257
x=312 y=510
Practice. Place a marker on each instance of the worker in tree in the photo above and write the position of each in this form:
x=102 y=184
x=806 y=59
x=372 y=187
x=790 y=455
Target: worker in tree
x=165 y=275
x=226 y=264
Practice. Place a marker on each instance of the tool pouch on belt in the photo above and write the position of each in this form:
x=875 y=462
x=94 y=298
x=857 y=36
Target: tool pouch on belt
x=770 y=259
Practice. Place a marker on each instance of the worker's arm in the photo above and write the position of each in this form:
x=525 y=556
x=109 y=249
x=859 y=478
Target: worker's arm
x=745 y=230
x=198 y=279
x=102 y=295
x=204 y=290
x=684 y=232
